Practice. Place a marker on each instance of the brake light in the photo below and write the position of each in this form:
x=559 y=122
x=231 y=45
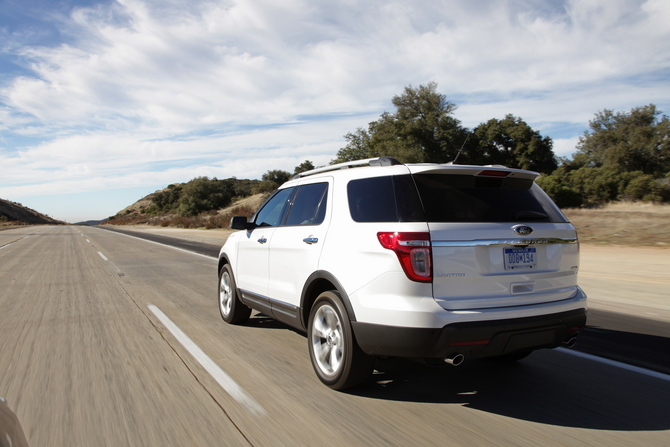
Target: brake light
x=413 y=251
x=492 y=173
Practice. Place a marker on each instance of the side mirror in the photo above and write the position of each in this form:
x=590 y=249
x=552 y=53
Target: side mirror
x=240 y=223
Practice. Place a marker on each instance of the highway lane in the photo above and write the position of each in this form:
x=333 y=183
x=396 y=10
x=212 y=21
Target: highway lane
x=84 y=361
x=79 y=362
x=635 y=335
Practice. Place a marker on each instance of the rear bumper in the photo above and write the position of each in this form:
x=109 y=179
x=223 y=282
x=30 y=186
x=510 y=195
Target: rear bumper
x=472 y=339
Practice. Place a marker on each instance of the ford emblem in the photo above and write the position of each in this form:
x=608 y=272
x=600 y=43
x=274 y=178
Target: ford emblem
x=523 y=230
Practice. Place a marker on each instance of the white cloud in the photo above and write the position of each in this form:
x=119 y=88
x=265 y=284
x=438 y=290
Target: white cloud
x=153 y=89
x=565 y=147
x=244 y=61
x=69 y=165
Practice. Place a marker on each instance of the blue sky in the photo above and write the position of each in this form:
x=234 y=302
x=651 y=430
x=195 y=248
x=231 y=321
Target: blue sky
x=103 y=102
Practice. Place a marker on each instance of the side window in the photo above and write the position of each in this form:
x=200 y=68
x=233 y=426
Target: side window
x=372 y=200
x=384 y=199
x=272 y=212
x=309 y=205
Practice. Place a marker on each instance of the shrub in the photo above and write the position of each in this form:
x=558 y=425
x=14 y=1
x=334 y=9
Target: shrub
x=647 y=189
x=202 y=194
x=564 y=196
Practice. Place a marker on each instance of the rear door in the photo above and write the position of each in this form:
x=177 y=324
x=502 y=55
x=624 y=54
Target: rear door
x=497 y=240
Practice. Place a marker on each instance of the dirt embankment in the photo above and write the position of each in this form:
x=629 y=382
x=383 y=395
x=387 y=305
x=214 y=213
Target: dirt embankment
x=13 y=214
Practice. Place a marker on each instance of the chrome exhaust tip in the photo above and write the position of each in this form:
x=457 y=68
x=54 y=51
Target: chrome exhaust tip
x=571 y=342
x=454 y=359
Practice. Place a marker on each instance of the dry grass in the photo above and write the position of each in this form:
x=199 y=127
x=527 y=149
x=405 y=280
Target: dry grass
x=9 y=224
x=625 y=223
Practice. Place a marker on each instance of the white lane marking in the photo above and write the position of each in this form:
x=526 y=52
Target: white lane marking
x=228 y=384
x=13 y=242
x=636 y=369
x=88 y=241
x=106 y=259
x=164 y=245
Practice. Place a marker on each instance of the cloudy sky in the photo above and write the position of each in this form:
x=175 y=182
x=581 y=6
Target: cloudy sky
x=105 y=101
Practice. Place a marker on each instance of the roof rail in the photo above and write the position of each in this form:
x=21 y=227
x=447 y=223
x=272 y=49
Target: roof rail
x=379 y=161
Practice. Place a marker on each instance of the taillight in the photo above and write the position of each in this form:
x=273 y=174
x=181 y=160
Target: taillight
x=492 y=173
x=413 y=251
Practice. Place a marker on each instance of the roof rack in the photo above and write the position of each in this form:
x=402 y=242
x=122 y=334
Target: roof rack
x=379 y=161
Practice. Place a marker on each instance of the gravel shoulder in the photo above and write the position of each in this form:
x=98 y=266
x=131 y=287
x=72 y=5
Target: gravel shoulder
x=632 y=280
x=214 y=237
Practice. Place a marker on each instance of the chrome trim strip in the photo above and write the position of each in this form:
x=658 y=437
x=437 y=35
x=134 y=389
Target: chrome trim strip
x=501 y=242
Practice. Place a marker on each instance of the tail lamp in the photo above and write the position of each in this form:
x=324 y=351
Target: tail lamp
x=413 y=251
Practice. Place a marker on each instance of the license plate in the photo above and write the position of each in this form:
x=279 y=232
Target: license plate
x=520 y=258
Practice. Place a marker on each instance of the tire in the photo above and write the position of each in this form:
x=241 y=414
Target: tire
x=336 y=357
x=231 y=308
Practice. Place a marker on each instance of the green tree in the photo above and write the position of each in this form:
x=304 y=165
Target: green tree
x=202 y=194
x=513 y=143
x=272 y=180
x=243 y=187
x=276 y=176
x=304 y=166
x=421 y=130
x=563 y=194
x=357 y=148
x=168 y=199
x=635 y=141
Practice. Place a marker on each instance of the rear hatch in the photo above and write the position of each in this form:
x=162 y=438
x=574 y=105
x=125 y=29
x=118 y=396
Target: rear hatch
x=497 y=239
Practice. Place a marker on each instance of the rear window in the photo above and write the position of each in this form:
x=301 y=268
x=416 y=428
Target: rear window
x=467 y=198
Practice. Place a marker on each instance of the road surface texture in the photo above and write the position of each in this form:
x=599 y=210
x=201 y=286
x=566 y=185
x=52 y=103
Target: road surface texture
x=628 y=288
x=107 y=339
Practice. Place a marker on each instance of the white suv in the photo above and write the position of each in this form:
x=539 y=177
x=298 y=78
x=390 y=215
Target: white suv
x=436 y=261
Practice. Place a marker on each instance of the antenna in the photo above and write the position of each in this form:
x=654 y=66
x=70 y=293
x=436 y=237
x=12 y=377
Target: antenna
x=461 y=149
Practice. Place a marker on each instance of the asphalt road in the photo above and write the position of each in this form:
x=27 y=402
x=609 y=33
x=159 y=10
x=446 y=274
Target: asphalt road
x=85 y=361
x=627 y=337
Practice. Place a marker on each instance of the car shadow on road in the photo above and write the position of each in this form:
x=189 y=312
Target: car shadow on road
x=262 y=321
x=551 y=388
x=643 y=350
x=548 y=387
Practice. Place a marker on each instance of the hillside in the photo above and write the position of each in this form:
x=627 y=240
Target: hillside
x=201 y=202
x=141 y=212
x=12 y=214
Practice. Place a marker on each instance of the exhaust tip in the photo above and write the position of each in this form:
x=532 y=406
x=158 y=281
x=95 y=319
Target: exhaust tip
x=455 y=359
x=571 y=342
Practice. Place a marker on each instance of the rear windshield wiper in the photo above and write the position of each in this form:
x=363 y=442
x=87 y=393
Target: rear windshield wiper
x=530 y=215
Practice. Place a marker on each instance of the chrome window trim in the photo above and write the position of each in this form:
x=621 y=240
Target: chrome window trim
x=501 y=242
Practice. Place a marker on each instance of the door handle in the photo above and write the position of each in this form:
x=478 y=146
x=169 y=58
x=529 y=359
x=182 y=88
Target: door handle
x=262 y=240
x=310 y=240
